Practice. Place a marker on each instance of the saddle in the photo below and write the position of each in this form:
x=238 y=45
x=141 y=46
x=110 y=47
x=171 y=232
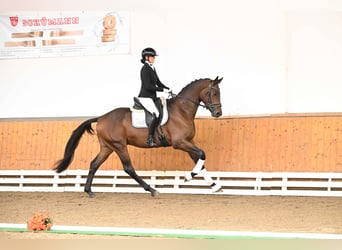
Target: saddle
x=141 y=115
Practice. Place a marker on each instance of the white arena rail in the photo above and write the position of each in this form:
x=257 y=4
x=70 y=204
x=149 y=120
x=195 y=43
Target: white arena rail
x=233 y=183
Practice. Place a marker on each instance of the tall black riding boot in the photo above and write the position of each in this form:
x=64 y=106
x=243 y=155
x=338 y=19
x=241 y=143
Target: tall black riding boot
x=151 y=131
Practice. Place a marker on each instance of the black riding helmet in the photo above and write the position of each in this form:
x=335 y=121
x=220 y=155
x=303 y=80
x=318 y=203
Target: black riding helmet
x=147 y=52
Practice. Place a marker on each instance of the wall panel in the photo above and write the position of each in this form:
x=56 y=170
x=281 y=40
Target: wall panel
x=305 y=143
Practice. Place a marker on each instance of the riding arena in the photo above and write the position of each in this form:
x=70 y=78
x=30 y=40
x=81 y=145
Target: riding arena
x=249 y=142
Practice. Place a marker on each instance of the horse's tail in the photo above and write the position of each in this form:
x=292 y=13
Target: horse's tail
x=72 y=144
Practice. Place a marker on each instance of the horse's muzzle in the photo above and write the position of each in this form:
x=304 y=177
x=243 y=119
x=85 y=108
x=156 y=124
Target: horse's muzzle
x=215 y=109
x=216 y=113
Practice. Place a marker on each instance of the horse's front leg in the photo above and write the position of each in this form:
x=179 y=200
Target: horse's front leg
x=199 y=157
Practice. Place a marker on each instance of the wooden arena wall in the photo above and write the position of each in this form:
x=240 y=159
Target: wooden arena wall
x=291 y=143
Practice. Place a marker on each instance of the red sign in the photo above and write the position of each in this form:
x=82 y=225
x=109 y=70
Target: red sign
x=14 y=20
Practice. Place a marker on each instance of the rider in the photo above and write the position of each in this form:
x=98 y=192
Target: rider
x=150 y=84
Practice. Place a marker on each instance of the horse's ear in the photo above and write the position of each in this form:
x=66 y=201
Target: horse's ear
x=217 y=80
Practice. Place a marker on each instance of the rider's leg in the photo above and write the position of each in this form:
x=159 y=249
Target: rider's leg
x=151 y=131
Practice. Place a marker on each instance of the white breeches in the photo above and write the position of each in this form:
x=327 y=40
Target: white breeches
x=149 y=105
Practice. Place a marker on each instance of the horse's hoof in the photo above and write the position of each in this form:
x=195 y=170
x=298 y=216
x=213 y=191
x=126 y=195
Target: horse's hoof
x=154 y=193
x=188 y=177
x=91 y=194
x=218 y=190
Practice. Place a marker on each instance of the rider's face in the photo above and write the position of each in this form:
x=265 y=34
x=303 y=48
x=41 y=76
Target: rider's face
x=150 y=59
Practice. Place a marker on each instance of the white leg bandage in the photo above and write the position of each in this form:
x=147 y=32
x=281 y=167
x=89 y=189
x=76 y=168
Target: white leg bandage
x=198 y=166
x=207 y=177
x=195 y=170
x=214 y=186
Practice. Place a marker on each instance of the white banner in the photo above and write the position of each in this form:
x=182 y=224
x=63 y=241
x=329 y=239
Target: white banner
x=48 y=34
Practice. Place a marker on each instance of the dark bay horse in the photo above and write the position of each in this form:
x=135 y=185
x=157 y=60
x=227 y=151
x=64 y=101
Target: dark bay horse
x=115 y=131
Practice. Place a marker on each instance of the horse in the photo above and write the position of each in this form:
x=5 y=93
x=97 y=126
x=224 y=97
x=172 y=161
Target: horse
x=115 y=131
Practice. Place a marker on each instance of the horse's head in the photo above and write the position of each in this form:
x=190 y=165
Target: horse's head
x=210 y=96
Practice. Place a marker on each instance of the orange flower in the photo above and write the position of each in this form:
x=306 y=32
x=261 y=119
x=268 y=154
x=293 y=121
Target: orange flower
x=40 y=221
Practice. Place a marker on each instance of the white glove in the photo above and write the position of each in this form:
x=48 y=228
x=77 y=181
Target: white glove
x=166 y=91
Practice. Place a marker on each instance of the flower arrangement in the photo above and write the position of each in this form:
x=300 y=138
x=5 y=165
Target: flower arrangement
x=40 y=221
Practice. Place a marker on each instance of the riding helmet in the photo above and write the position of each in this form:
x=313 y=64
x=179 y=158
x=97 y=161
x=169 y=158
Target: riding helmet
x=148 y=52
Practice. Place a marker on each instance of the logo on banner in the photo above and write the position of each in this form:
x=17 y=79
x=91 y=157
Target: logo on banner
x=109 y=31
x=14 y=20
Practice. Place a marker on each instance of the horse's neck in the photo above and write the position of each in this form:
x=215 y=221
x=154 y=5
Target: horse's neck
x=188 y=108
x=189 y=101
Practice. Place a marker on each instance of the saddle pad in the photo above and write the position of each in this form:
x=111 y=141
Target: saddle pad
x=138 y=117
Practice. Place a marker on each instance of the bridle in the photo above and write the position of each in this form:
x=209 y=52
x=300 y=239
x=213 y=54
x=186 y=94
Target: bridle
x=209 y=105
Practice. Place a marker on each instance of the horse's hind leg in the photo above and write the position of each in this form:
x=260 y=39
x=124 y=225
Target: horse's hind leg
x=94 y=166
x=131 y=172
x=122 y=152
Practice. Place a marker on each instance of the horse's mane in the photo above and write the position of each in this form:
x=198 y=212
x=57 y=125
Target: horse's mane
x=193 y=82
x=172 y=100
